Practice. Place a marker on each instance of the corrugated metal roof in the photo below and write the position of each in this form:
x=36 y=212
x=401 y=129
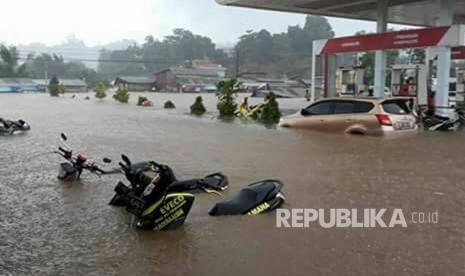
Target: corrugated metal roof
x=138 y=80
x=16 y=82
x=203 y=72
x=65 y=82
x=73 y=82
x=197 y=80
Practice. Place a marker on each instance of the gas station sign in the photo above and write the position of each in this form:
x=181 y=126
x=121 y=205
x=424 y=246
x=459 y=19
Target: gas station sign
x=458 y=52
x=417 y=38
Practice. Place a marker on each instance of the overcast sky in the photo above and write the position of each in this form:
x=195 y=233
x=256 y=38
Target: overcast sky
x=102 y=21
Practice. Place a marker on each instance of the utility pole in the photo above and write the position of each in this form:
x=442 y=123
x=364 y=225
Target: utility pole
x=237 y=62
x=46 y=76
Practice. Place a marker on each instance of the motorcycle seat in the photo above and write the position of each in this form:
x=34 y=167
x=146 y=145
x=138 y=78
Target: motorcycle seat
x=247 y=199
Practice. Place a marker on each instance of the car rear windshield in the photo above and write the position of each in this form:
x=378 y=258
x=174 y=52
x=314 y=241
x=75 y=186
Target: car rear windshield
x=396 y=107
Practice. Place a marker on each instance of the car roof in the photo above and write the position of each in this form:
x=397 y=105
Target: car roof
x=365 y=99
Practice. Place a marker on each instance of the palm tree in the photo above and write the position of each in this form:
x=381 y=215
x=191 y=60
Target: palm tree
x=9 y=57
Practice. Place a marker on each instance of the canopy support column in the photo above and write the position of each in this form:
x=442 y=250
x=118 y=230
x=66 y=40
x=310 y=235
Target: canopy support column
x=380 y=56
x=443 y=63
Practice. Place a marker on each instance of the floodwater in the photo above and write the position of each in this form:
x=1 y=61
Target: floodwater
x=51 y=228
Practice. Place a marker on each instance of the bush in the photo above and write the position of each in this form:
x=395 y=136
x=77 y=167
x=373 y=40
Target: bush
x=169 y=105
x=270 y=113
x=61 y=88
x=198 y=108
x=141 y=100
x=100 y=90
x=54 y=87
x=122 y=96
x=226 y=98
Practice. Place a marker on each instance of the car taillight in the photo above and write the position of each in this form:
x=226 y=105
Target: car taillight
x=384 y=119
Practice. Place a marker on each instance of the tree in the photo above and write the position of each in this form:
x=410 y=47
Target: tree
x=367 y=60
x=198 y=108
x=283 y=52
x=155 y=55
x=100 y=90
x=270 y=113
x=9 y=67
x=227 y=98
x=121 y=95
x=38 y=65
x=121 y=63
x=416 y=56
x=54 y=87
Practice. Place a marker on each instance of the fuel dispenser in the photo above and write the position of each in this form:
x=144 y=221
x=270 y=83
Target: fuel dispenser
x=349 y=80
x=460 y=85
x=410 y=80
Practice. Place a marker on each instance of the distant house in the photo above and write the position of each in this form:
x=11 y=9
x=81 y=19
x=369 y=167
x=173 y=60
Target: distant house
x=135 y=83
x=74 y=85
x=71 y=85
x=282 y=88
x=209 y=65
x=180 y=79
x=17 y=85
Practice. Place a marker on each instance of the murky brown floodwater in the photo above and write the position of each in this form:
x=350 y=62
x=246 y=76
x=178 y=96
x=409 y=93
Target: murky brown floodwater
x=51 y=228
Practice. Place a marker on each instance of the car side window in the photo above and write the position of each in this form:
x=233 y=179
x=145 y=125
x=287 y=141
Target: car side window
x=363 y=107
x=343 y=107
x=321 y=108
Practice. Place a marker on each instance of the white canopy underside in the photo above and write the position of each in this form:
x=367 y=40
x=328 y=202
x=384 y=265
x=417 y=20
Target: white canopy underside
x=408 y=12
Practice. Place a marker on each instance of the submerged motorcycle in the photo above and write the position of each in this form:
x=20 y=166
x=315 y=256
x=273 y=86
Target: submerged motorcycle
x=257 y=198
x=160 y=202
x=8 y=127
x=432 y=122
x=72 y=169
x=156 y=198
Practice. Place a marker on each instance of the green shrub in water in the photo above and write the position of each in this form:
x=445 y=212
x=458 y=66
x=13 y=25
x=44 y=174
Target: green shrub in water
x=198 y=108
x=227 y=97
x=100 y=90
x=122 y=96
x=169 y=105
x=270 y=113
x=54 y=87
x=141 y=100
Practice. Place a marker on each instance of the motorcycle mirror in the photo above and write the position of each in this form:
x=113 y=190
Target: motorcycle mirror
x=126 y=159
x=64 y=137
x=106 y=160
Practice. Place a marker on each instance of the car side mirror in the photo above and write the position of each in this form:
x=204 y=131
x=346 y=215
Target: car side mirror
x=106 y=160
x=304 y=112
x=63 y=136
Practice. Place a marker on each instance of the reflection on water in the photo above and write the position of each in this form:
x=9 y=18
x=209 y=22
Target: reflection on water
x=50 y=228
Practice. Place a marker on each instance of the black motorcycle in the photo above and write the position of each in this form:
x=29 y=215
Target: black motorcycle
x=72 y=169
x=8 y=127
x=142 y=174
x=433 y=122
x=160 y=202
x=257 y=198
x=155 y=196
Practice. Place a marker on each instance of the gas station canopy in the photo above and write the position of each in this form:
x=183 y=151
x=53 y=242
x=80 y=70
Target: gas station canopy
x=408 y=12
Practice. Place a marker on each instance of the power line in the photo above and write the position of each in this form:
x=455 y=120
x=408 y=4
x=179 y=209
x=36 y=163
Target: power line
x=153 y=61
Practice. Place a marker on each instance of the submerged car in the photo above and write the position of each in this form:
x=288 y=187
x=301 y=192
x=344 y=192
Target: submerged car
x=366 y=116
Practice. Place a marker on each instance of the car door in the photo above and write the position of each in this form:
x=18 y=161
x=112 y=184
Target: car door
x=342 y=116
x=314 y=116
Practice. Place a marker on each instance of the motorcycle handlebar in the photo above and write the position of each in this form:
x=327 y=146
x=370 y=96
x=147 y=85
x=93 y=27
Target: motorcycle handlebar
x=122 y=165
